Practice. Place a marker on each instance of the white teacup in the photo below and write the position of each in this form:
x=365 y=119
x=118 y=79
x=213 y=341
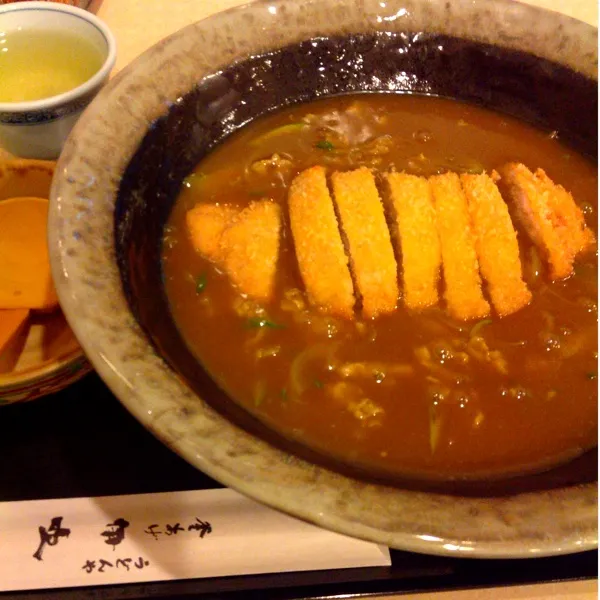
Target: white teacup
x=38 y=128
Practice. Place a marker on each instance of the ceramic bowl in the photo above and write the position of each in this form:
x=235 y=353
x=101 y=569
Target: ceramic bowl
x=45 y=357
x=38 y=128
x=125 y=162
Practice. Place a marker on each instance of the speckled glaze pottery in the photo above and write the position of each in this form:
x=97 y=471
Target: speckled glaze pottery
x=124 y=163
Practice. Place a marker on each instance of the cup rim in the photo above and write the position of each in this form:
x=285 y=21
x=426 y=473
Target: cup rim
x=87 y=86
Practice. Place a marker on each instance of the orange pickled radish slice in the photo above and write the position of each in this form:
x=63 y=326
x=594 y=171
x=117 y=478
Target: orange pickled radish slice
x=25 y=279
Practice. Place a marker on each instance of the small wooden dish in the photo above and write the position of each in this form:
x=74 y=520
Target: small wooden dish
x=45 y=356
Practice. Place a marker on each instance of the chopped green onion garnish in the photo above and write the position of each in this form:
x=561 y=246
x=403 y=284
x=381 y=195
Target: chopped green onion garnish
x=592 y=376
x=260 y=393
x=479 y=326
x=200 y=283
x=324 y=145
x=379 y=376
x=434 y=429
x=255 y=322
x=283 y=394
x=318 y=384
x=193 y=179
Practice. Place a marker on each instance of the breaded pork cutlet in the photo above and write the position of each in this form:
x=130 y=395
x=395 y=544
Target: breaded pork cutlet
x=244 y=243
x=417 y=239
x=576 y=235
x=549 y=215
x=319 y=249
x=460 y=266
x=250 y=249
x=206 y=224
x=496 y=244
x=371 y=254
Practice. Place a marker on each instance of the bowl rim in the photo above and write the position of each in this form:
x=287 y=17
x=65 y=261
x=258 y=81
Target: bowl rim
x=87 y=86
x=169 y=423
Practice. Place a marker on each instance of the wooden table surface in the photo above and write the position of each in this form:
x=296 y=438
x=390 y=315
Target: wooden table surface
x=137 y=25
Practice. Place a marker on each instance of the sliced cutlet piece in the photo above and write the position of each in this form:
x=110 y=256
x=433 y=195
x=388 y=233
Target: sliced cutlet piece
x=417 y=240
x=371 y=254
x=460 y=266
x=548 y=214
x=319 y=248
x=249 y=249
x=569 y=218
x=206 y=224
x=496 y=244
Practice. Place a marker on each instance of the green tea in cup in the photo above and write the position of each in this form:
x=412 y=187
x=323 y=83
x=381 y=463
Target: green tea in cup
x=54 y=59
x=36 y=64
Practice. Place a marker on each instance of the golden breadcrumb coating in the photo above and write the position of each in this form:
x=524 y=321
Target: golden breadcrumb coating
x=496 y=244
x=371 y=254
x=244 y=243
x=206 y=224
x=550 y=216
x=319 y=248
x=460 y=266
x=418 y=242
x=250 y=249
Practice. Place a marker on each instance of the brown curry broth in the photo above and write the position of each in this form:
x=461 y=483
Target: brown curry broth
x=556 y=417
